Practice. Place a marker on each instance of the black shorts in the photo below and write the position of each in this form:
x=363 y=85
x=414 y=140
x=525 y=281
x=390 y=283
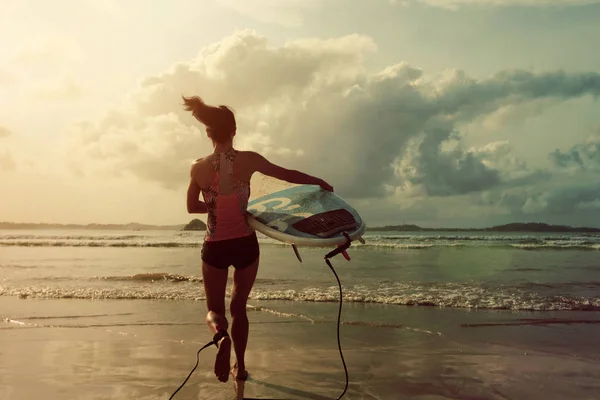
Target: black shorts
x=239 y=252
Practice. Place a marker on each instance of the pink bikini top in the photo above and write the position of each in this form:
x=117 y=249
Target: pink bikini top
x=226 y=213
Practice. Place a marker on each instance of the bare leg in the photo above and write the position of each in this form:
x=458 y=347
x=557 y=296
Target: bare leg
x=215 y=283
x=243 y=280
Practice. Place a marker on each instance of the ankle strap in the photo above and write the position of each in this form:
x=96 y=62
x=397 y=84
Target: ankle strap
x=221 y=333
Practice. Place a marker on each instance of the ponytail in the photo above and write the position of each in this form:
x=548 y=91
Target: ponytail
x=219 y=121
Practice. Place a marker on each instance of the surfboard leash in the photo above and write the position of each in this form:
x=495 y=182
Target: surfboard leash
x=216 y=338
x=340 y=249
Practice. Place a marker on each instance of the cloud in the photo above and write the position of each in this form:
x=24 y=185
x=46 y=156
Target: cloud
x=287 y=13
x=64 y=90
x=6 y=77
x=47 y=51
x=402 y=3
x=4 y=132
x=44 y=68
x=564 y=195
x=565 y=200
x=7 y=161
x=111 y=8
x=428 y=170
x=570 y=199
x=455 y=4
x=155 y=148
x=312 y=105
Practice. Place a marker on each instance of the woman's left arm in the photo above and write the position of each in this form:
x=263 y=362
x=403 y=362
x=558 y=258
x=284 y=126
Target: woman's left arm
x=194 y=205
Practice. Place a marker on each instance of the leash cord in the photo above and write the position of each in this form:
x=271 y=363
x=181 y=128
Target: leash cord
x=339 y=318
x=193 y=369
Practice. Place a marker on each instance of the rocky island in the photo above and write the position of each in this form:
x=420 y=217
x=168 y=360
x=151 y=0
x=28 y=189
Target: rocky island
x=195 y=225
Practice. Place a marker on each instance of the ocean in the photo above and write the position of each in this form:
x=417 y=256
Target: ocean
x=439 y=315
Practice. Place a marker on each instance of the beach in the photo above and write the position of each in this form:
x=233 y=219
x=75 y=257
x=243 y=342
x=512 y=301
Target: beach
x=120 y=315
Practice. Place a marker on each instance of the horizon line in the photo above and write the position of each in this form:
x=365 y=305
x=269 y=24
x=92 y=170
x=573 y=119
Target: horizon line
x=368 y=227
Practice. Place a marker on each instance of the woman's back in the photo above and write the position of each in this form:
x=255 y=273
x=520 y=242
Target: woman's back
x=224 y=180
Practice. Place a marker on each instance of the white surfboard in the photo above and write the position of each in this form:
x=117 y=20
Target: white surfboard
x=306 y=216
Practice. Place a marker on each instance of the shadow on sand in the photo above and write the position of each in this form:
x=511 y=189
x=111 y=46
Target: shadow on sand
x=286 y=390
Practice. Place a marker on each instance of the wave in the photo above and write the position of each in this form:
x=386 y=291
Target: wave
x=558 y=246
x=377 y=241
x=18 y=266
x=560 y=286
x=408 y=246
x=78 y=316
x=433 y=295
x=108 y=325
x=71 y=237
x=541 y=321
x=94 y=243
x=152 y=277
x=485 y=238
x=22 y=323
x=591 y=246
x=367 y=246
x=155 y=277
x=280 y=313
x=476 y=298
x=389 y=326
x=158 y=278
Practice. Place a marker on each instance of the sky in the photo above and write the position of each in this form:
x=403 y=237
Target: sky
x=440 y=113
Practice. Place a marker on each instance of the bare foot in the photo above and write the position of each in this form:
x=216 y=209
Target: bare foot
x=239 y=382
x=223 y=359
x=239 y=374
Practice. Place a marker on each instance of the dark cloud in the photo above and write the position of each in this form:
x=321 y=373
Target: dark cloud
x=572 y=199
x=564 y=199
x=449 y=172
x=583 y=155
x=455 y=4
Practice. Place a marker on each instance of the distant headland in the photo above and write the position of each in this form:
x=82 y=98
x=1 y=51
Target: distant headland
x=512 y=227
x=193 y=225
x=132 y=226
x=198 y=225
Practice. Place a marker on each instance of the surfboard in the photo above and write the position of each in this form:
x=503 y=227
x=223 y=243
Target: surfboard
x=306 y=215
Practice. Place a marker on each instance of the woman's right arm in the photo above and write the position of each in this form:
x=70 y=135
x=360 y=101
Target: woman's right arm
x=265 y=167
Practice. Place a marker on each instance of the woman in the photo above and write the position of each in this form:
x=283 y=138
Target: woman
x=223 y=177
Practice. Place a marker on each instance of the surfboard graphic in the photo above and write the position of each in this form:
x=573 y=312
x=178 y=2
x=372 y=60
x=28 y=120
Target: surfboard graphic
x=305 y=216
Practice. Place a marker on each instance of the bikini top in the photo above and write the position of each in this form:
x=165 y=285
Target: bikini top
x=226 y=212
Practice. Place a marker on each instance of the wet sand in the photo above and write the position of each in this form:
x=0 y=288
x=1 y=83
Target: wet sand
x=120 y=349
